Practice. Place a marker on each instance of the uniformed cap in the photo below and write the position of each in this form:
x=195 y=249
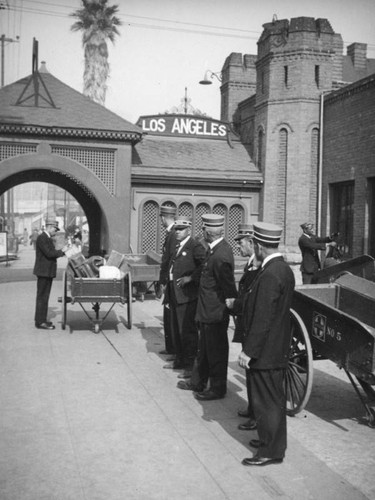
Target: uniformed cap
x=51 y=221
x=244 y=230
x=182 y=223
x=168 y=210
x=307 y=225
x=267 y=234
x=212 y=220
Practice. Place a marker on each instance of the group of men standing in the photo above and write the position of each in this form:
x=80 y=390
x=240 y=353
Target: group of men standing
x=200 y=294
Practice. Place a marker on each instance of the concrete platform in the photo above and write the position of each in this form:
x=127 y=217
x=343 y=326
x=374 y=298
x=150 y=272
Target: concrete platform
x=88 y=416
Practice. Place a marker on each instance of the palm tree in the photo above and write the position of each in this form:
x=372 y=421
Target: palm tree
x=98 y=23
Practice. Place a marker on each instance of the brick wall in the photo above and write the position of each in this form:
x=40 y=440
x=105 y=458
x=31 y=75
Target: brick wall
x=349 y=152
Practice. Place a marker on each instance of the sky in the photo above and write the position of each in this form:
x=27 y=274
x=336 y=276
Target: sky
x=165 y=46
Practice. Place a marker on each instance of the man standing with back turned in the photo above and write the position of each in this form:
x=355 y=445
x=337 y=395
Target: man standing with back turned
x=266 y=321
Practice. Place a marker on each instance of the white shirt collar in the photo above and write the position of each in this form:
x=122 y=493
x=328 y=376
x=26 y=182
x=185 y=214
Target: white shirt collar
x=214 y=243
x=182 y=243
x=272 y=256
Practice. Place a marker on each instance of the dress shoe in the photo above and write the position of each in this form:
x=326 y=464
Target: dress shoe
x=254 y=443
x=243 y=413
x=186 y=385
x=185 y=374
x=45 y=326
x=249 y=425
x=261 y=461
x=208 y=395
x=173 y=366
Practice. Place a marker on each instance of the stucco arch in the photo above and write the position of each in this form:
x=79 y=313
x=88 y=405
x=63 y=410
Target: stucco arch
x=97 y=203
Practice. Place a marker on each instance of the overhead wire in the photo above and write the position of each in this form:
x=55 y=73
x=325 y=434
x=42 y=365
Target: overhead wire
x=237 y=32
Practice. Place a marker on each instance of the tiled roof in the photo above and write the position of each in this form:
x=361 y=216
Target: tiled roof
x=194 y=158
x=72 y=109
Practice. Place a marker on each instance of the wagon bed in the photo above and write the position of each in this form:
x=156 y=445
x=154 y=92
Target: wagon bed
x=96 y=291
x=334 y=321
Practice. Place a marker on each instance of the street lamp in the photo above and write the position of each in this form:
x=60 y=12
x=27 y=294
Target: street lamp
x=208 y=77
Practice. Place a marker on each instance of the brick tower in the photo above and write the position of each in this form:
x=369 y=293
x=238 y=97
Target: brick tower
x=298 y=60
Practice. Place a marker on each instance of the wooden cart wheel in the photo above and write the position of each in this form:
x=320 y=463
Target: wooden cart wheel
x=128 y=278
x=299 y=377
x=64 y=300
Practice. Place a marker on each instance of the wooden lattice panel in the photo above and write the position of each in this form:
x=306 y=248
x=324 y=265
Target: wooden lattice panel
x=99 y=161
x=149 y=227
x=11 y=150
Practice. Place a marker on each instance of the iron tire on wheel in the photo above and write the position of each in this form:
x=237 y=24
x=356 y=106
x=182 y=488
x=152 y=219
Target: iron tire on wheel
x=299 y=376
x=64 y=300
x=128 y=281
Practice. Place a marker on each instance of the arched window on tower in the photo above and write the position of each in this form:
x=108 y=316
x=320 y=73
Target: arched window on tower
x=260 y=149
x=282 y=180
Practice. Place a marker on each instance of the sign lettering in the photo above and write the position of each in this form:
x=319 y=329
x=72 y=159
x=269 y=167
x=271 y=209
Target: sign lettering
x=183 y=125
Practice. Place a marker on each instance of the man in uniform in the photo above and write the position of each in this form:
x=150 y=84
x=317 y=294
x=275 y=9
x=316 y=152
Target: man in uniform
x=167 y=214
x=266 y=321
x=45 y=269
x=309 y=245
x=244 y=239
x=185 y=269
x=216 y=284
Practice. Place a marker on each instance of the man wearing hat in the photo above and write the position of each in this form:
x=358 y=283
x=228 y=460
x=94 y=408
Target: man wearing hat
x=265 y=354
x=244 y=239
x=216 y=284
x=185 y=269
x=309 y=245
x=45 y=270
x=167 y=215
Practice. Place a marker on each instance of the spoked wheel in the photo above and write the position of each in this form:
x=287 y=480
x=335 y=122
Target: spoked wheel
x=64 y=300
x=299 y=376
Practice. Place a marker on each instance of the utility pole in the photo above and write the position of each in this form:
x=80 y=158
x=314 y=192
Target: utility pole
x=4 y=39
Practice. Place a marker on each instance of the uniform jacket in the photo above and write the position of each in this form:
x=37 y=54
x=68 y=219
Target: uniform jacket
x=46 y=257
x=188 y=262
x=249 y=274
x=216 y=284
x=266 y=316
x=309 y=247
x=169 y=247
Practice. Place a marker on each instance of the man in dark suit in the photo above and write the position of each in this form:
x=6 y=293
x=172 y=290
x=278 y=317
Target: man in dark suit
x=167 y=214
x=185 y=269
x=309 y=245
x=216 y=284
x=244 y=239
x=266 y=320
x=45 y=270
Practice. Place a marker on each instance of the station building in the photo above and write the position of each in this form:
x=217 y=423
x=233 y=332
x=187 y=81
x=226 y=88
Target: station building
x=293 y=144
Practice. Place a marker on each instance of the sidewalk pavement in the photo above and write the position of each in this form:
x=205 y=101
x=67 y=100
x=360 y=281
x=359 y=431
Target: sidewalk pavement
x=88 y=416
